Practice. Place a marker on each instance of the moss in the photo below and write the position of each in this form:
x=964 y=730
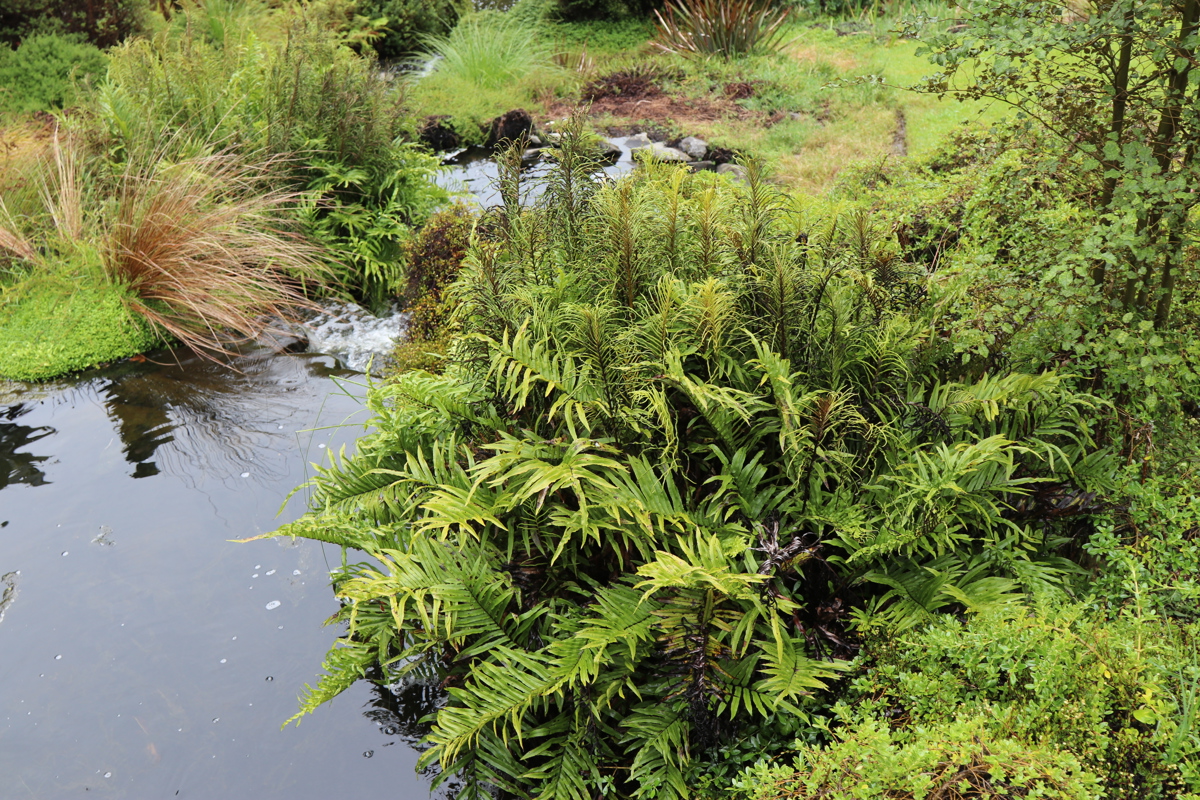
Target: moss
x=53 y=325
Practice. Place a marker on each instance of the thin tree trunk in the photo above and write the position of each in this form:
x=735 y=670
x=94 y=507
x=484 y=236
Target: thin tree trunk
x=1117 y=129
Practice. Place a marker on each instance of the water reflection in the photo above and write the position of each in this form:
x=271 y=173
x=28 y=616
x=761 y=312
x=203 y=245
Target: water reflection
x=20 y=467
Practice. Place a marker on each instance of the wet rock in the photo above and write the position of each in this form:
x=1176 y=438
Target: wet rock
x=283 y=339
x=509 y=126
x=638 y=141
x=437 y=134
x=608 y=152
x=702 y=166
x=660 y=152
x=531 y=156
x=697 y=149
x=536 y=141
x=737 y=171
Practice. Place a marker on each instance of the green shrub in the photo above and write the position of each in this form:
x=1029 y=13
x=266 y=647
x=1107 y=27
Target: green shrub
x=313 y=110
x=103 y=23
x=434 y=257
x=948 y=758
x=410 y=21
x=605 y=10
x=1117 y=694
x=687 y=437
x=41 y=74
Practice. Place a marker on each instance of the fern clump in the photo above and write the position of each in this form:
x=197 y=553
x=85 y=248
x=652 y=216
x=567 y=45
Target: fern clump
x=691 y=437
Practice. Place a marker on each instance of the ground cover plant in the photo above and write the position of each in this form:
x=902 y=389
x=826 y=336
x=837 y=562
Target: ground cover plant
x=689 y=440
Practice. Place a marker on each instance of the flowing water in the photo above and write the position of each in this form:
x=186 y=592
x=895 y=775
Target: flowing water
x=142 y=653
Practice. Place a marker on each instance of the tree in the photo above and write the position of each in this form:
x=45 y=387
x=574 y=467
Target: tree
x=1118 y=81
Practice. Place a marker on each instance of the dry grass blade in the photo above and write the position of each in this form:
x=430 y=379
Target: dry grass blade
x=199 y=249
x=65 y=199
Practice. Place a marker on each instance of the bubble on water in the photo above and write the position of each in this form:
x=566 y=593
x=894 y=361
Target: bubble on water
x=295 y=572
x=390 y=730
x=368 y=753
x=223 y=660
x=42 y=675
x=216 y=719
x=274 y=604
x=320 y=445
x=258 y=566
x=270 y=678
x=58 y=657
x=270 y=572
x=234 y=639
x=280 y=627
x=108 y=774
x=245 y=474
x=66 y=552
x=255 y=575
x=280 y=427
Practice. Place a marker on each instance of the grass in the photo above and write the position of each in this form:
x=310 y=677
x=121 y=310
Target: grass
x=193 y=251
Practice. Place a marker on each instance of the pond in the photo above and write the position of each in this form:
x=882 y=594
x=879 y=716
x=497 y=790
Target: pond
x=142 y=653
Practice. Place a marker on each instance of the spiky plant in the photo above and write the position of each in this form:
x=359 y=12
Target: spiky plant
x=634 y=514
x=725 y=28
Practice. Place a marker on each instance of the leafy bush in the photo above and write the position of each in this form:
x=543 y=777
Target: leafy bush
x=949 y=758
x=410 y=21
x=103 y=23
x=725 y=28
x=1117 y=695
x=685 y=431
x=316 y=112
x=40 y=75
x=435 y=256
x=606 y=10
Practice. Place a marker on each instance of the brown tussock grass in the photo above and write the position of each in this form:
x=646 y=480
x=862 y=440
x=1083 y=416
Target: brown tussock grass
x=202 y=249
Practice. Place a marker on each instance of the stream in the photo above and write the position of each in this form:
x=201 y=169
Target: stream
x=142 y=653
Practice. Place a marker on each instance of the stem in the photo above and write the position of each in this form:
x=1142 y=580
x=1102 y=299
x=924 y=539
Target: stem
x=1117 y=127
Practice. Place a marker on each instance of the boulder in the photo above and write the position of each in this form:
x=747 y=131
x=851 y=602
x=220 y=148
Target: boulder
x=660 y=152
x=509 y=126
x=737 y=171
x=638 y=141
x=437 y=135
x=608 y=152
x=702 y=166
x=696 y=148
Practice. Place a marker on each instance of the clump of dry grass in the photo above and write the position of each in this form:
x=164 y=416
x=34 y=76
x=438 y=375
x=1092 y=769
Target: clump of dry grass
x=200 y=245
x=204 y=253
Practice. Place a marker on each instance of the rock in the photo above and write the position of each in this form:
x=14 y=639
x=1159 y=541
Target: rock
x=437 y=135
x=536 y=141
x=608 y=152
x=736 y=171
x=531 y=156
x=283 y=338
x=795 y=116
x=509 y=126
x=660 y=152
x=702 y=166
x=638 y=141
x=696 y=148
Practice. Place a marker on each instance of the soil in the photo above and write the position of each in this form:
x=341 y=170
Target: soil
x=661 y=112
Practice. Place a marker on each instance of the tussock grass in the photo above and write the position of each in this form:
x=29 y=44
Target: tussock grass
x=490 y=51
x=197 y=249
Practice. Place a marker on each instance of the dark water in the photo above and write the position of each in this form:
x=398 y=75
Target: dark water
x=142 y=654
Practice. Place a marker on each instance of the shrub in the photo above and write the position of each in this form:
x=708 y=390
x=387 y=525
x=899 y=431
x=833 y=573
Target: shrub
x=41 y=74
x=685 y=432
x=434 y=257
x=949 y=758
x=314 y=111
x=103 y=23
x=410 y=21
